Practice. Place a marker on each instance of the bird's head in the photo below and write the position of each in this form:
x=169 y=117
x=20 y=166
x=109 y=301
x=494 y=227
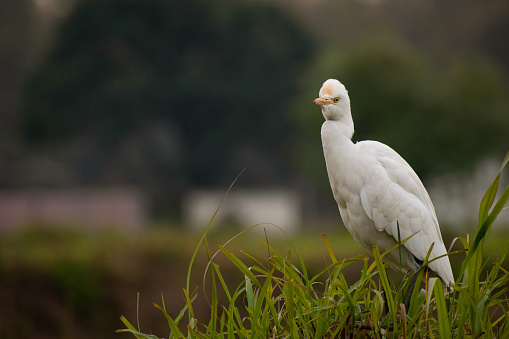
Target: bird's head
x=333 y=97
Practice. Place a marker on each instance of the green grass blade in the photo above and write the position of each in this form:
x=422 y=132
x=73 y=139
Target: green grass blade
x=414 y=305
x=223 y=283
x=250 y=294
x=329 y=248
x=385 y=282
x=506 y=160
x=488 y=199
x=189 y=303
x=214 y=302
x=138 y=334
x=345 y=262
x=442 y=314
x=399 y=244
x=499 y=206
x=264 y=293
x=193 y=257
x=130 y=327
x=290 y=308
x=240 y=265
x=171 y=323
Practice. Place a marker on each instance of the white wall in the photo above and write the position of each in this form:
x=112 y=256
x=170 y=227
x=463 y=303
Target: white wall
x=245 y=207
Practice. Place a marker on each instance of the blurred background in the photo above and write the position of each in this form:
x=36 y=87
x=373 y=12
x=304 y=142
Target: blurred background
x=124 y=122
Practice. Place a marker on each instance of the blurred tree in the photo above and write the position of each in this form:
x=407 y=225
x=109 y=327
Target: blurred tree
x=16 y=25
x=167 y=93
x=494 y=40
x=443 y=28
x=438 y=121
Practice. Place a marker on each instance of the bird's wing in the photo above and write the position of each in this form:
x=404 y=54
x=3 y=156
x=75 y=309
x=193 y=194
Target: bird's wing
x=394 y=195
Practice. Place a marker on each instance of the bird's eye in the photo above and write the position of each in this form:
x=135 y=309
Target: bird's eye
x=335 y=100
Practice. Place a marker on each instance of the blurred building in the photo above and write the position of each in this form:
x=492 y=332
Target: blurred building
x=89 y=209
x=244 y=208
x=457 y=196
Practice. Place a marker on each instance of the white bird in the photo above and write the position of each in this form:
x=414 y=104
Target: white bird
x=376 y=190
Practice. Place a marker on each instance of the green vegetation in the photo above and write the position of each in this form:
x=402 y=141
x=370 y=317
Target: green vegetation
x=279 y=298
x=59 y=282
x=62 y=282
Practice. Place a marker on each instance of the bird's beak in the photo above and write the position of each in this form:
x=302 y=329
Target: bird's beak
x=322 y=101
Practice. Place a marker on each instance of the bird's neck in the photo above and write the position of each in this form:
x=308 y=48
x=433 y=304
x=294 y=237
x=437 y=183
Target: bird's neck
x=338 y=130
x=337 y=146
x=338 y=151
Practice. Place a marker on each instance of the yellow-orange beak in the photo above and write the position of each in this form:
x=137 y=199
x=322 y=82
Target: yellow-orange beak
x=322 y=101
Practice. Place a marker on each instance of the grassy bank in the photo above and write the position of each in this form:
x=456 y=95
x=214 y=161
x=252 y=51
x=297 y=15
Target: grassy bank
x=59 y=282
x=64 y=283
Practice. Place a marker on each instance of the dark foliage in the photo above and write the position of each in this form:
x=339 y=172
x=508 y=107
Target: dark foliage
x=168 y=93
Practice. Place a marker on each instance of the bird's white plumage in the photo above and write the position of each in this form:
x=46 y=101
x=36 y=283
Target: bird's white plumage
x=376 y=190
